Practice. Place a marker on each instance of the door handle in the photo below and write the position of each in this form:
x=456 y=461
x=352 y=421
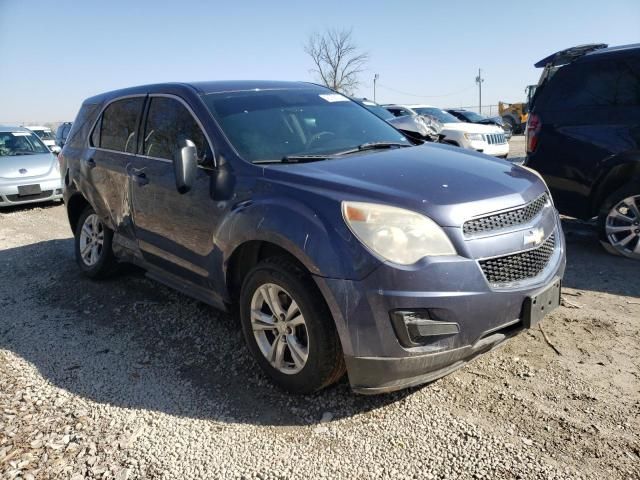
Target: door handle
x=140 y=178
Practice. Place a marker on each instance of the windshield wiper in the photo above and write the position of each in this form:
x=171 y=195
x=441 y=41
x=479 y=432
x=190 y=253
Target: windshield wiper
x=373 y=146
x=297 y=159
x=315 y=158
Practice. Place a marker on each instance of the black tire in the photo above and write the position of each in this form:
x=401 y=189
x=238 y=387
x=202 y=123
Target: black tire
x=106 y=263
x=631 y=189
x=325 y=362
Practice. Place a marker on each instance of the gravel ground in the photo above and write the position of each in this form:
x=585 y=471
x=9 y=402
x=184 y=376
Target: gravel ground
x=128 y=379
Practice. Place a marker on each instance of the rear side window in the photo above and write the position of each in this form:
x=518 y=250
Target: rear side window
x=117 y=127
x=168 y=124
x=593 y=84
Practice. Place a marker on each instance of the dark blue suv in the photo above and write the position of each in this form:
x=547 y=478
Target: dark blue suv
x=583 y=136
x=341 y=245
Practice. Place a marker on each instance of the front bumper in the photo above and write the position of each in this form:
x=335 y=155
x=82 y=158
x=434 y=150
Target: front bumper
x=495 y=150
x=50 y=186
x=453 y=290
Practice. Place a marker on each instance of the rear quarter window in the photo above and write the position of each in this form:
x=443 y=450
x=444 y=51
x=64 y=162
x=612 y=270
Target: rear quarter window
x=81 y=126
x=594 y=84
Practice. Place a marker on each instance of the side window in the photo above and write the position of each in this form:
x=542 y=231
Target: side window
x=117 y=128
x=169 y=123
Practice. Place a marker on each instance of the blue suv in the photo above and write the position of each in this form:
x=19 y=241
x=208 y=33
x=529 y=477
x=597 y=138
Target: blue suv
x=340 y=244
x=583 y=136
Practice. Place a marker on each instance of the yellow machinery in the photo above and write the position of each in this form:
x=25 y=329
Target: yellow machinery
x=516 y=114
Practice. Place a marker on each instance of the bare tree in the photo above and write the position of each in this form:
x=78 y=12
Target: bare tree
x=337 y=59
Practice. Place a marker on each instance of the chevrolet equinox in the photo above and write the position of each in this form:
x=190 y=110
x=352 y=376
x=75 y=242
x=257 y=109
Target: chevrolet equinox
x=341 y=245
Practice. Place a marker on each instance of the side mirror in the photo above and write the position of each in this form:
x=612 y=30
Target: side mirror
x=185 y=165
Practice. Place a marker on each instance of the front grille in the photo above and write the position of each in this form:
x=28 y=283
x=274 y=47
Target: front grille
x=519 y=266
x=496 y=138
x=508 y=219
x=22 y=198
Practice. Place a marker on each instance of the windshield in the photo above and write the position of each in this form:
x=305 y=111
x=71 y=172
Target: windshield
x=20 y=143
x=441 y=115
x=273 y=124
x=472 y=116
x=382 y=112
x=44 y=134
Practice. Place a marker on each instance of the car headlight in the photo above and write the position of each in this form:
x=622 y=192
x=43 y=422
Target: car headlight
x=398 y=235
x=474 y=137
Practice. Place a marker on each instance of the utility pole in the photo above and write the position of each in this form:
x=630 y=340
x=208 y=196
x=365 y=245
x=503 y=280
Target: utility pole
x=375 y=78
x=479 y=81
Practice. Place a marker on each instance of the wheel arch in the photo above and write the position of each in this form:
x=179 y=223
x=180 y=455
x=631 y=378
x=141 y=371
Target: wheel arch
x=75 y=206
x=317 y=240
x=615 y=173
x=246 y=256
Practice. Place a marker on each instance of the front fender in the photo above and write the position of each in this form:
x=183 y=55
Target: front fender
x=317 y=237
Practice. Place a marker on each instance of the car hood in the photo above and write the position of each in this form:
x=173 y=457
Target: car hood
x=33 y=165
x=472 y=128
x=448 y=184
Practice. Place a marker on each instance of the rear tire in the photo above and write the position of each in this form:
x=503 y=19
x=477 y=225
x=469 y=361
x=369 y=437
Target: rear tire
x=619 y=221
x=288 y=328
x=93 y=240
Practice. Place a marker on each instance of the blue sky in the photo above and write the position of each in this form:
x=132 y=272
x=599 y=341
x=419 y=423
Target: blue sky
x=56 y=53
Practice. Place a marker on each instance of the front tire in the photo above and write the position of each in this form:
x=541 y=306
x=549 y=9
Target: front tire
x=93 y=240
x=288 y=328
x=619 y=222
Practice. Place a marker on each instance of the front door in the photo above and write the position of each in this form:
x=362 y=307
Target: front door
x=174 y=231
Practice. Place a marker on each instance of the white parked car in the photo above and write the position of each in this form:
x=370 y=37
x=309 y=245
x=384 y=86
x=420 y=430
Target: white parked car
x=46 y=135
x=489 y=139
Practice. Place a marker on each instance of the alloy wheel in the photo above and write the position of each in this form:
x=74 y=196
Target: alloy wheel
x=622 y=226
x=279 y=328
x=91 y=240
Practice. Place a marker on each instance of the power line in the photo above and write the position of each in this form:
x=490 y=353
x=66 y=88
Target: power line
x=424 y=96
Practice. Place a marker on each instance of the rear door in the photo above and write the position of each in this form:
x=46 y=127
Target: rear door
x=113 y=146
x=174 y=231
x=590 y=111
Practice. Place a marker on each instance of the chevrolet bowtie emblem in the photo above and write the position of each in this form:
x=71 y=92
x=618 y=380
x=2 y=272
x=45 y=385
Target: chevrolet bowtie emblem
x=533 y=237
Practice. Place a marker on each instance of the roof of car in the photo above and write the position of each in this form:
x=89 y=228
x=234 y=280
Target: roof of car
x=619 y=48
x=204 y=88
x=36 y=127
x=12 y=128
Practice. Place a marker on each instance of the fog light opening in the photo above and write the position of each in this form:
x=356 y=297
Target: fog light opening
x=416 y=327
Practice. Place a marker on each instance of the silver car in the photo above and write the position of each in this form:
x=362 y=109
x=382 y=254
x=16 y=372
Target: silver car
x=29 y=172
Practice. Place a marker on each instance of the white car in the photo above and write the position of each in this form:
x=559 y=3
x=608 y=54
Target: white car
x=489 y=139
x=46 y=135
